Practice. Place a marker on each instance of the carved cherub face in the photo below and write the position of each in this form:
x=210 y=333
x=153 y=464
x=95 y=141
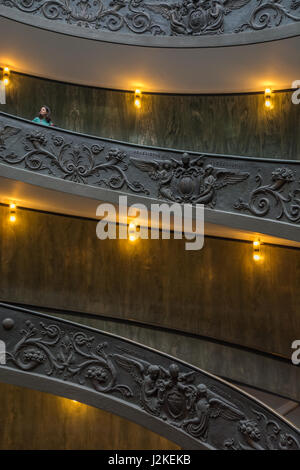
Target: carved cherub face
x=185 y=160
x=153 y=371
x=166 y=166
x=202 y=390
x=174 y=371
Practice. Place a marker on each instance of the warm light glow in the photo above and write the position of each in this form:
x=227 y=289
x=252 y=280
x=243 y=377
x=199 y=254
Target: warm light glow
x=12 y=212
x=132 y=231
x=268 y=103
x=137 y=98
x=6 y=73
x=137 y=103
x=256 y=250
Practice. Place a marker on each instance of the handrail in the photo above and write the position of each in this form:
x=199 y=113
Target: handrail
x=253 y=193
x=181 y=402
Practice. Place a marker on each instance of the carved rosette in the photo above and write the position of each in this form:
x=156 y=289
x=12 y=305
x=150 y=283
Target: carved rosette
x=168 y=18
x=196 y=404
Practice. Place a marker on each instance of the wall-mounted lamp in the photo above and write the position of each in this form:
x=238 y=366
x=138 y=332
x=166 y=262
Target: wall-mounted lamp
x=5 y=76
x=132 y=232
x=12 y=212
x=268 y=98
x=256 y=250
x=138 y=98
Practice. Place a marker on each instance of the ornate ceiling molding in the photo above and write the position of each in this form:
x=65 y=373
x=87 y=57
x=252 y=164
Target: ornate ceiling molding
x=181 y=402
x=187 y=23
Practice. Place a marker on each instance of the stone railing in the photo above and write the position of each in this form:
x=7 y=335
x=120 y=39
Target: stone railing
x=187 y=23
x=185 y=404
x=249 y=193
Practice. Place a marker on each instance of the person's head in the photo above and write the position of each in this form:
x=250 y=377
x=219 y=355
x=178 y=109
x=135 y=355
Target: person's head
x=45 y=113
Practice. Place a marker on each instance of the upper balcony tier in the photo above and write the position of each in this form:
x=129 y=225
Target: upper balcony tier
x=188 y=23
x=158 y=47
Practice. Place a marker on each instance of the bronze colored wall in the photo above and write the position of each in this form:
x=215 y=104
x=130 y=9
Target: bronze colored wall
x=229 y=124
x=57 y=261
x=31 y=420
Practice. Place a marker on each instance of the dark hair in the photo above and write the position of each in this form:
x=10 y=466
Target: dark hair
x=48 y=115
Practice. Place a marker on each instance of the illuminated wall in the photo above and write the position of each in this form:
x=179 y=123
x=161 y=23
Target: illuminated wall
x=230 y=124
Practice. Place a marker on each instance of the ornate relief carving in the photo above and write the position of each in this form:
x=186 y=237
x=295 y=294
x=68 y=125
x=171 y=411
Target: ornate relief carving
x=252 y=430
x=73 y=162
x=207 y=405
x=269 y=14
x=287 y=203
x=5 y=133
x=181 y=396
x=66 y=355
x=189 y=180
x=163 y=392
x=221 y=183
x=186 y=17
x=197 y=17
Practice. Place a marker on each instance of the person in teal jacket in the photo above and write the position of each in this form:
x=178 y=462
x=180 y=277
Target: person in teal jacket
x=44 y=116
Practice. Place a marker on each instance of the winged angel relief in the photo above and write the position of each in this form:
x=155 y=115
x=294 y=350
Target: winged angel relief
x=173 y=396
x=189 y=180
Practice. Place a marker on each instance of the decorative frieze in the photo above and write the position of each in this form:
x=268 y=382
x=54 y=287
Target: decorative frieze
x=265 y=189
x=197 y=405
x=165 y=18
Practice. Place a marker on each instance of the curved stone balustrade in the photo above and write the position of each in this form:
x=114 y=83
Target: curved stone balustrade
x=185 y=404
x=249 y=193
x=188 y=23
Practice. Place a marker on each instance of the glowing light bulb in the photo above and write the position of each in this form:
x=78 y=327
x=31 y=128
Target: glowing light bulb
x=137 y=98
x=6 y=81
x=256 y=250
x=132 y=231
x=12 y=212
x=268 y=102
